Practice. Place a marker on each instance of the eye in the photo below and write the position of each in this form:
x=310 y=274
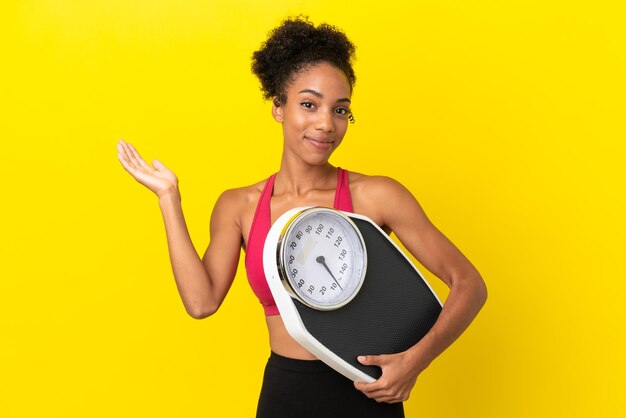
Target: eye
x=342 y=111
x=307 y=105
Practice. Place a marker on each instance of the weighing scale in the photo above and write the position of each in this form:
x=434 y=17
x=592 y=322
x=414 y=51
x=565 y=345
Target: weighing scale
x=344 y=289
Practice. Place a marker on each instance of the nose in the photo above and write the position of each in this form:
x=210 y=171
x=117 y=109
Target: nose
x=324 y=122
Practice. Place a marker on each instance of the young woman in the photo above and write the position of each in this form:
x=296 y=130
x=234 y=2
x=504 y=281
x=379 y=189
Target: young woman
x=306 y=71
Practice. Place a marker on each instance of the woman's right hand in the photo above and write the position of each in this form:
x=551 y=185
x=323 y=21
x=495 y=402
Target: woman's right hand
x=160 y=179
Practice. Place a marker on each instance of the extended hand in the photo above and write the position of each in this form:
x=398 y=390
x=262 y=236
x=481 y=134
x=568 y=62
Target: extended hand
x=159 y=179
x=398 y=378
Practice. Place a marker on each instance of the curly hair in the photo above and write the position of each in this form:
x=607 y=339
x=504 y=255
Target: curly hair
x=296 y=45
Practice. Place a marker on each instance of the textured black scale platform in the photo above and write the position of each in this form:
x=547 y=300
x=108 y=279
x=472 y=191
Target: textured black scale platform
x=393 y=310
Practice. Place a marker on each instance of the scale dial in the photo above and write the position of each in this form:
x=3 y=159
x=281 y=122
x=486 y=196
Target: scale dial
x=321 y=258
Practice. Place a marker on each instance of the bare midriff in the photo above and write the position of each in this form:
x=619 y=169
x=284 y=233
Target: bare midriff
x=282 y=343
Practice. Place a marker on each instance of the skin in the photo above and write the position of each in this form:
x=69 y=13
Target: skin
x=314 y=119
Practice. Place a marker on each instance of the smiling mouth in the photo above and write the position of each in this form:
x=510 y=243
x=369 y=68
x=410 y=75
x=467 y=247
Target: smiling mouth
x=320 y=142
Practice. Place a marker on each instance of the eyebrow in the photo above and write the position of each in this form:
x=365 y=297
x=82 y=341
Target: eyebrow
x=321 y=96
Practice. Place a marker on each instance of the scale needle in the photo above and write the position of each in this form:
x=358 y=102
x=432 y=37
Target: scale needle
x=322 y=261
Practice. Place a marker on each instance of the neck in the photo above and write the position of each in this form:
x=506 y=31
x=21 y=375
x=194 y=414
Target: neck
x=298 y=177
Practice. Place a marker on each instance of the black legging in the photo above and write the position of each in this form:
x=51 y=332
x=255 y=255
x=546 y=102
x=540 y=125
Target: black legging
x=309 y=388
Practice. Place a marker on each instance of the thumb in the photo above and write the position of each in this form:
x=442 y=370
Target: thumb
x=370 y=360
x=158 y=164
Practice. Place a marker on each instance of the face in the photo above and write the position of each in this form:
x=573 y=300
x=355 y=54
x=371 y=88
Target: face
x=315 y=115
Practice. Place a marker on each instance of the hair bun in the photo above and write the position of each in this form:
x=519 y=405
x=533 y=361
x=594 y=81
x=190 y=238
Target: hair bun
x=296 y=44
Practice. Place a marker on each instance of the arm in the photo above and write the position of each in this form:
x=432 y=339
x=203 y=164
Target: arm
x=430 y=247
x=202 y=284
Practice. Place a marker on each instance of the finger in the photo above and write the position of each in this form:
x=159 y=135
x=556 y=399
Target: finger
x=139 y=175
x=371 y=360
x=383 y=395
x=388 y=394
x=366 y=392
x=368 y=387
x=138 y=157
x=158 y=164
x=379 y=395
x=362 y=386
x=129 y=165
x=123 y=161
x=122 y=155
x=140 y=168
x=127 y=155
x=121 y=151
x=387 y=399
x=142 y=163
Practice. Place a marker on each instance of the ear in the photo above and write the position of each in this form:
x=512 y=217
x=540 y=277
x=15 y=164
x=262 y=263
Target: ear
x=277 y=110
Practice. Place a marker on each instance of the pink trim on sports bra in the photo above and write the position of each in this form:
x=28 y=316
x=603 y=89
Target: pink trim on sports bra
x=260 y=227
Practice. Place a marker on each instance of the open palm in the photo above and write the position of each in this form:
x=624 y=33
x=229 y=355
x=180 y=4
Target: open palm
x=159 y=178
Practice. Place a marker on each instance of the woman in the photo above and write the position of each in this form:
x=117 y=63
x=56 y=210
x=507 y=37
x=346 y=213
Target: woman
x=306 y=71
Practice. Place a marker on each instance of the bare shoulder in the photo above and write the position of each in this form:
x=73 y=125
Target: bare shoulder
x=240 y=195
x=384 y=200
x=375 y=187
x=238 y=205
x=237 y=199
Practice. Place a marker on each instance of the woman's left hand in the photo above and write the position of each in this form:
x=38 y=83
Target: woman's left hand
x=398 y=378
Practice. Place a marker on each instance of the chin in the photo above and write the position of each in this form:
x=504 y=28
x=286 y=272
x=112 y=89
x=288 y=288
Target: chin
x=317 y=160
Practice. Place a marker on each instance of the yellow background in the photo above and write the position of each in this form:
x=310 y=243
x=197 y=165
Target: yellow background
x=506 y=120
